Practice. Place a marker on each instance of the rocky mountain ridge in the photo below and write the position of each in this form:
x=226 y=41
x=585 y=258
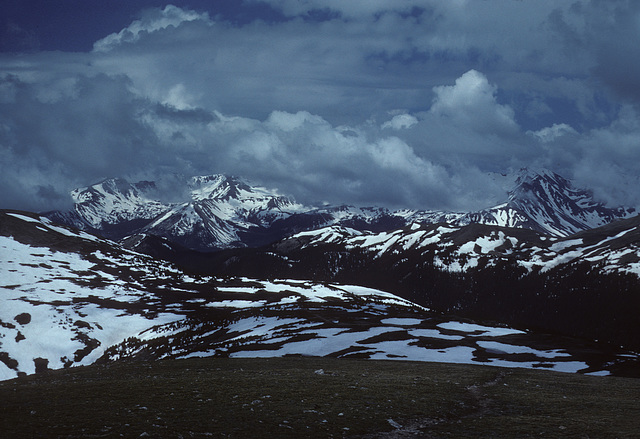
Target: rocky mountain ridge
x=221 y=212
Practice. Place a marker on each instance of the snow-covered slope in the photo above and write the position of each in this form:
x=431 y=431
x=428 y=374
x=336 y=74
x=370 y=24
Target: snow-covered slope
x=587 y=284
x=614 y=248
x=68 y=298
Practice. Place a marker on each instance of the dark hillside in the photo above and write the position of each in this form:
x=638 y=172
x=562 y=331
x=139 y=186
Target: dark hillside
x=591 y=297
x=577 y=300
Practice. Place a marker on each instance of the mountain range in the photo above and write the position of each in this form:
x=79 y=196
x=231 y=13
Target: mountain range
x=219 y=211
x=548 y=279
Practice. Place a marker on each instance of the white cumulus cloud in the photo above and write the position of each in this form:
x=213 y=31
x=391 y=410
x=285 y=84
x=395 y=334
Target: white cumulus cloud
x=400 y=121
x=152 y=21
x=472 y=102
x=549 y=134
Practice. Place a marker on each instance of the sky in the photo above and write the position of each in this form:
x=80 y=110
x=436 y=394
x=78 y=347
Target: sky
x=401 y=103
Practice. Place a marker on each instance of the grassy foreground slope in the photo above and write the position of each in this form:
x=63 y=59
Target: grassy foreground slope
x=316 y=397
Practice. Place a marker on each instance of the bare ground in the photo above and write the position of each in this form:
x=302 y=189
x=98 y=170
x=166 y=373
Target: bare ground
x=316 y=397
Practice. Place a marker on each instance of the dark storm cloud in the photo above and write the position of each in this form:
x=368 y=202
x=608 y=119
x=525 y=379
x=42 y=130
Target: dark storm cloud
x=90 y=124
x=407 y=104
x=84 y=131
x=196 y=115
x=607 y=34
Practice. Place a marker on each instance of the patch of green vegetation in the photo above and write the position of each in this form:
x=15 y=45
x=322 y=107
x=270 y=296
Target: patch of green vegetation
x=315 y=397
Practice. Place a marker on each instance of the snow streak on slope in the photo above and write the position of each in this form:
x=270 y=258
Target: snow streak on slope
x=359 y=326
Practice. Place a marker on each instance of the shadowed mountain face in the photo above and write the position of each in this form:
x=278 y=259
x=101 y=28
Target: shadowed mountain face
x=217 y=212
x=70 y=298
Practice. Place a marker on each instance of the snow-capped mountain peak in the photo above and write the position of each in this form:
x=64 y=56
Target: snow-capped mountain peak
x=211 y=211
x=113 y=201
x=547 y=202
x=560 y=209
x=239 y=194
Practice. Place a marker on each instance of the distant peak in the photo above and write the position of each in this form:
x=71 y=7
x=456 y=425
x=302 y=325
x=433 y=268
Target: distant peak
x=525 y=174
x=217 y=186
x=113 y=187
x=206 y=179
x=543 y=185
